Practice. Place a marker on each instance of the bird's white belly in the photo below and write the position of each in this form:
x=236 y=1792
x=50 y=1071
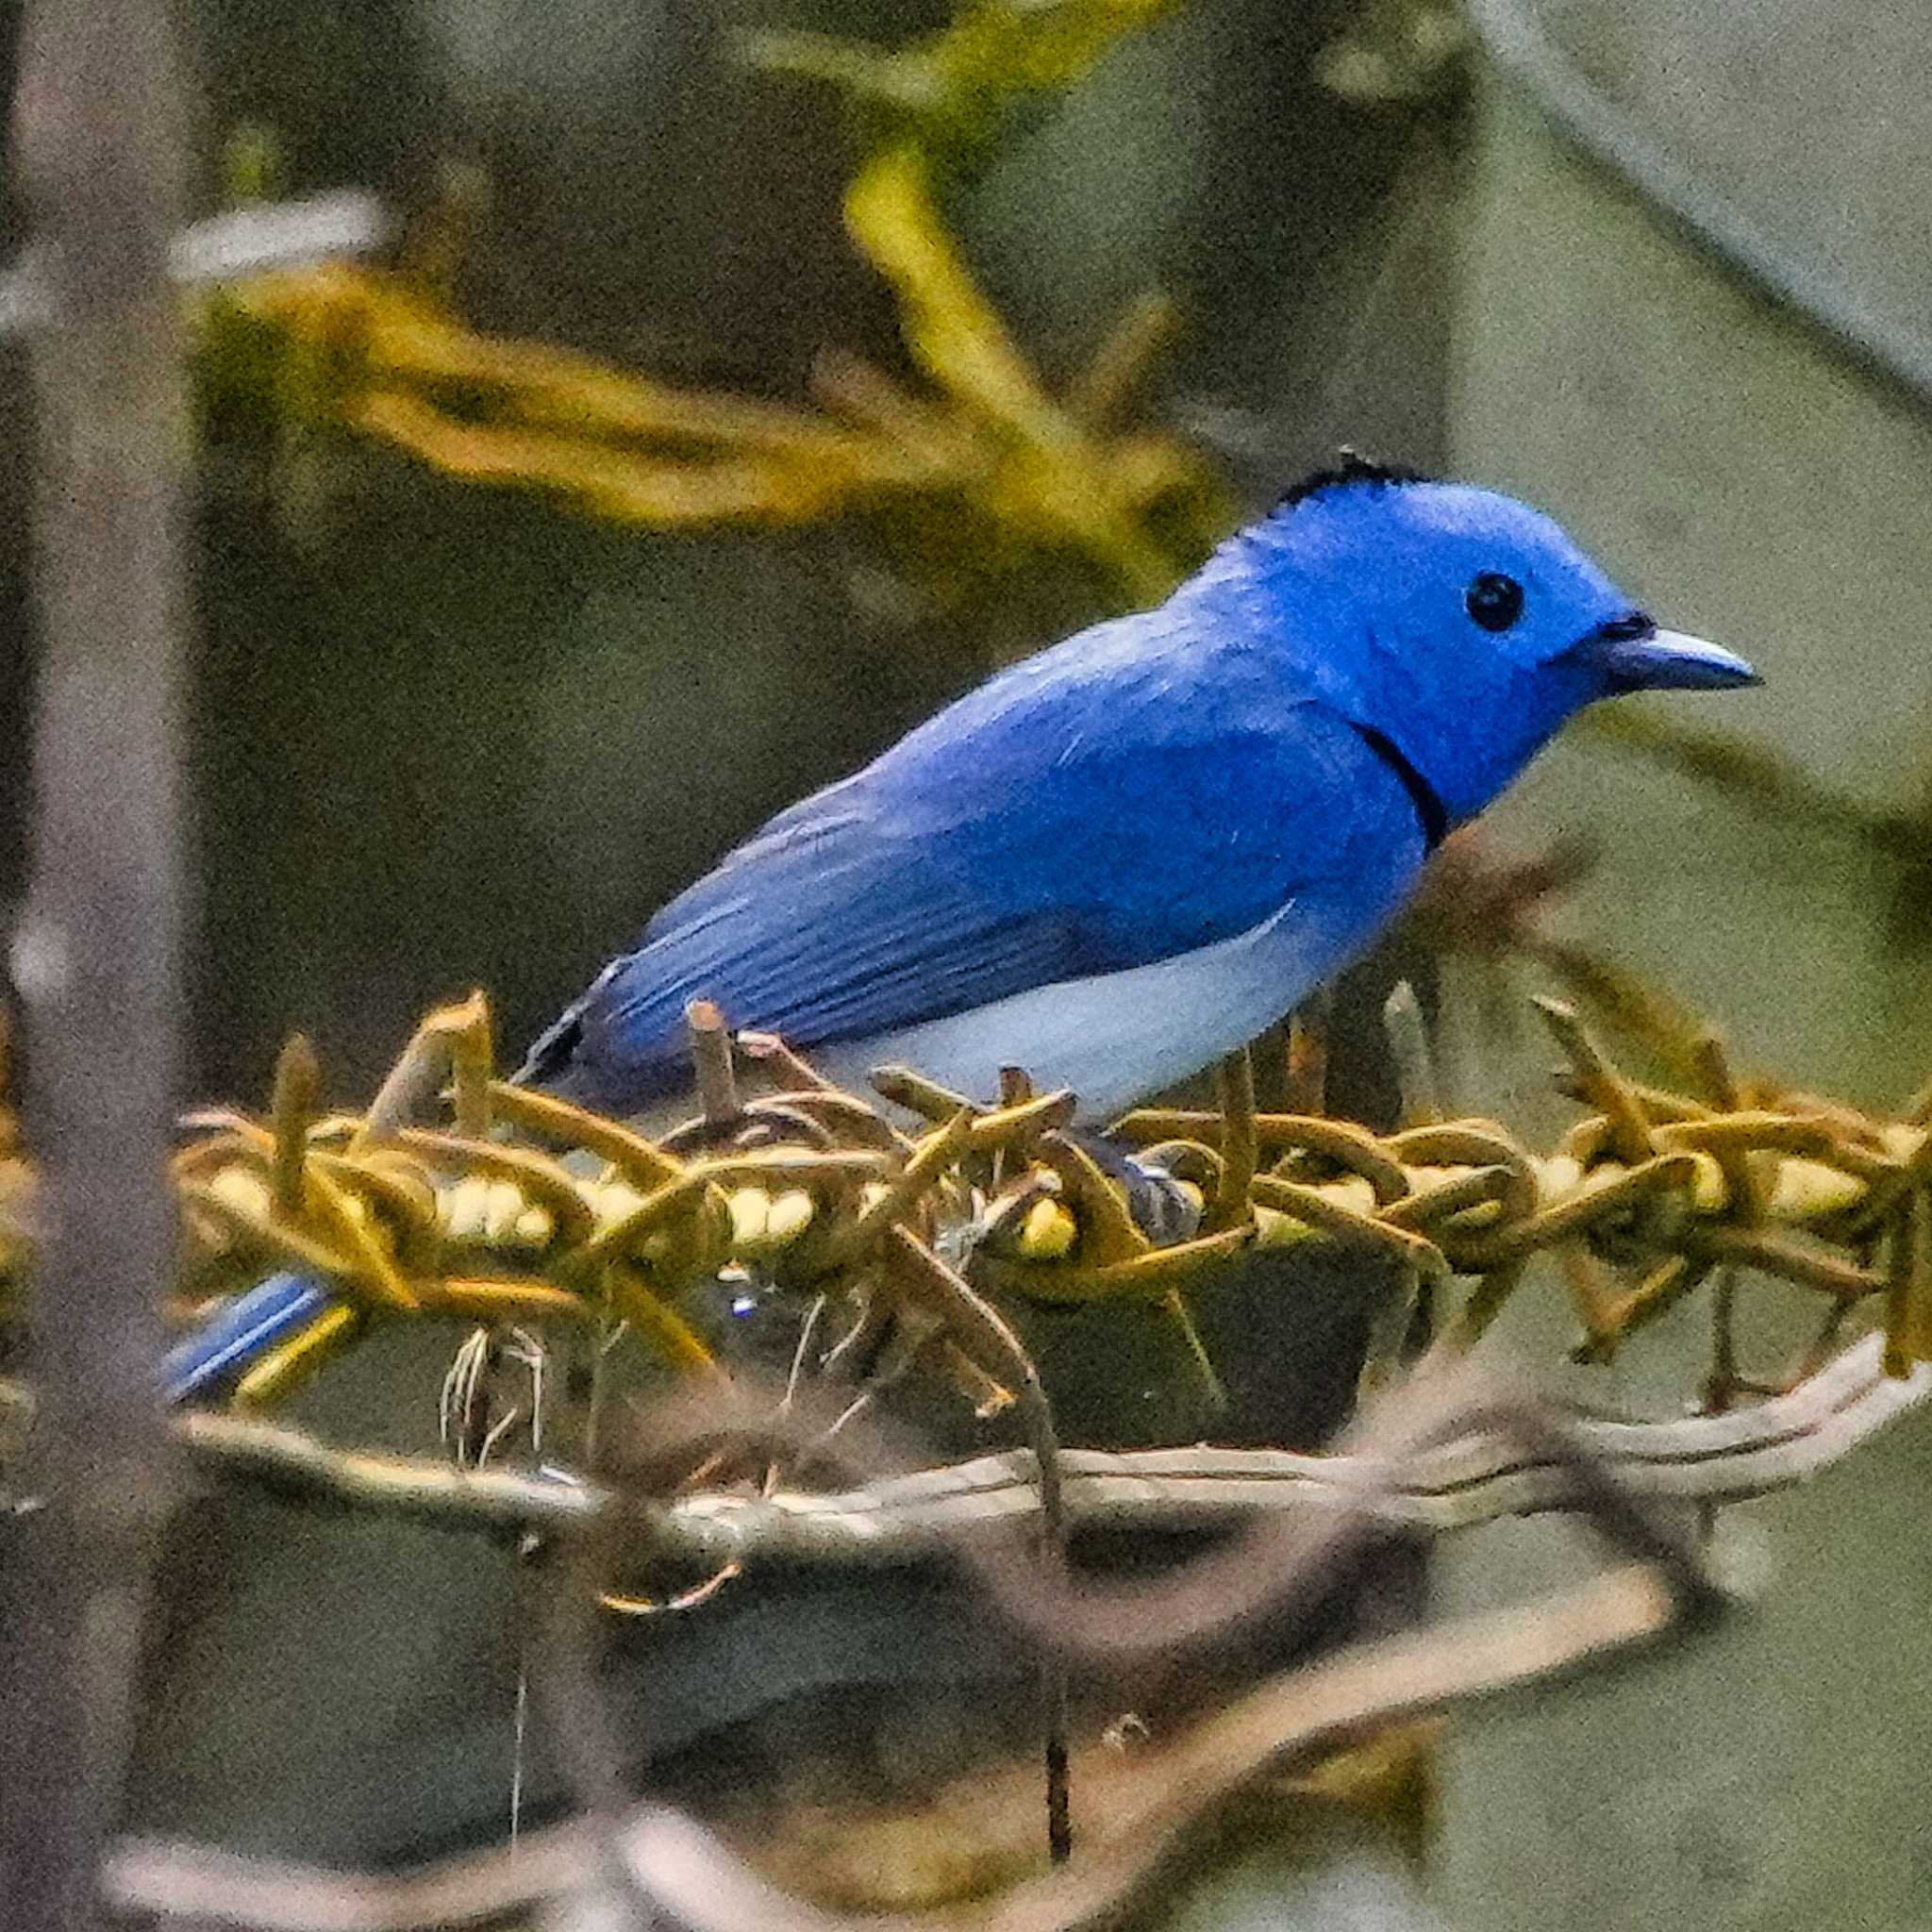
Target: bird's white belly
x=1117 y=1037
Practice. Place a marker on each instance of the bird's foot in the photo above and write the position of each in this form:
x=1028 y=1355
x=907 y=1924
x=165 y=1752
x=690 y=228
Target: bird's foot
x=1029 y=1220
x=1164 y=1207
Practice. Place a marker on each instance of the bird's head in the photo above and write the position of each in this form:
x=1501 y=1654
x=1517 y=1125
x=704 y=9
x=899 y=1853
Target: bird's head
x=1462 y=626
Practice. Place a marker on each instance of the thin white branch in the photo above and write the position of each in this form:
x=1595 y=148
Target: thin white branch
x=223 y=248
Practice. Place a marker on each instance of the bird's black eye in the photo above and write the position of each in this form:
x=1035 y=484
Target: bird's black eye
x=1493 y=600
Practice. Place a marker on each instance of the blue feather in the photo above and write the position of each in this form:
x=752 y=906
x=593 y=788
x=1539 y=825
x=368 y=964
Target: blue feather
x=240 y=1333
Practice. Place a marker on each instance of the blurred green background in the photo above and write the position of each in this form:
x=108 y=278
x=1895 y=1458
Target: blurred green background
x=449 y=734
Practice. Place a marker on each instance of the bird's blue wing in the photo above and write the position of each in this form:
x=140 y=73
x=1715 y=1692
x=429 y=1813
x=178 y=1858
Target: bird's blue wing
x=1054 y=824
x=829 y=926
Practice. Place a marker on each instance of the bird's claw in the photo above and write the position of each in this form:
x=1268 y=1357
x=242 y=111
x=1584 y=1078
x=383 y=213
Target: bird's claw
x=1164 y=1207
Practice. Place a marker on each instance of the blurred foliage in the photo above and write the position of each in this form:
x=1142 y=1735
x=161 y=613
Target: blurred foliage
x=951 y=93
x=1486 y=908
x=1772 y=782
x=383 y=353
x=1397 y=50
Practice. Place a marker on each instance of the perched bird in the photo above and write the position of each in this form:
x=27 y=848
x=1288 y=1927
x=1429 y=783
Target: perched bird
x=1121 y=859
x=1125 y=856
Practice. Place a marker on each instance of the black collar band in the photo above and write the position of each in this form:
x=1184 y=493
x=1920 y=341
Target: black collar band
x=1423 y=796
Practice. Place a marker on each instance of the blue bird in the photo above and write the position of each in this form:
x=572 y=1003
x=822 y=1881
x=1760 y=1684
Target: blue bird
x=1121 y=859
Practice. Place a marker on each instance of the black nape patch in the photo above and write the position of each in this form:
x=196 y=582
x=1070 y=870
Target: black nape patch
x=1350 y=468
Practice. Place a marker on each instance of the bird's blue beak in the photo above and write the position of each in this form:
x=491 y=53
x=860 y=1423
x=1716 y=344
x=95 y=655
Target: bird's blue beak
x=1633 y=654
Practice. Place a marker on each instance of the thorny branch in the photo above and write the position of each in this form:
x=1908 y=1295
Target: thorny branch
x=526 y=1210
x=1644 y=1197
